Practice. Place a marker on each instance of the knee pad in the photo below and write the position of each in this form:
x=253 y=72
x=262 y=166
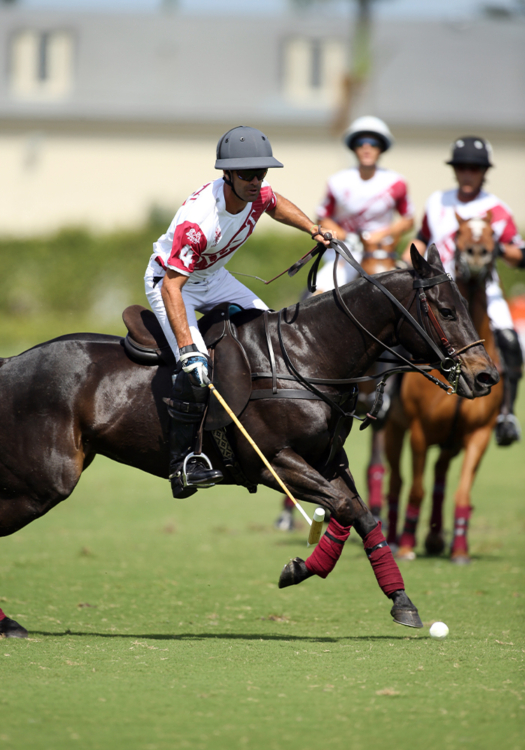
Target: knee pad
x=510 y=348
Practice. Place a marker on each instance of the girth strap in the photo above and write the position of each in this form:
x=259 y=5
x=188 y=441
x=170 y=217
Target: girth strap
x=257 y=395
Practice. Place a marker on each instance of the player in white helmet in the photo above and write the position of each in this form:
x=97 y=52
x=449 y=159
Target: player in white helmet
x=471 y=159
x=364 y=200
x=361 y=203
x=186 y=275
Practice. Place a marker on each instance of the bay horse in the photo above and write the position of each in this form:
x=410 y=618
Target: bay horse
x=455 y=424
x=68 y=399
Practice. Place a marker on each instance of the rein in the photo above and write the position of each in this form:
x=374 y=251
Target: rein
x=449 y=361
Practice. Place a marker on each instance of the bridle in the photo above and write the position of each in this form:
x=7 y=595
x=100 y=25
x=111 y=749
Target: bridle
x=447 y=357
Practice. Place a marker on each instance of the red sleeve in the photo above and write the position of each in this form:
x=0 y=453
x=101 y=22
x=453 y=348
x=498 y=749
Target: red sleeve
x=327 y=208
x=189 y=242
x=510 y=230
x=400 y=195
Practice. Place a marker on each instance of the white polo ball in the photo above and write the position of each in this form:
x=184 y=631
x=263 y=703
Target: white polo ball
x=439 y=631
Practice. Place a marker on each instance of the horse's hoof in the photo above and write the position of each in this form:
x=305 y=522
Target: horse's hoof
x=405 y=553
x=408 y=617
x=293 y=573
x=12 y=629
x=460 y=558
x=434 y=543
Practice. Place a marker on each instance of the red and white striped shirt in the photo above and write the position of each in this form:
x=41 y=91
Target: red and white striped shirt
x=440 y=224
x=203 y=236
x=358 y=205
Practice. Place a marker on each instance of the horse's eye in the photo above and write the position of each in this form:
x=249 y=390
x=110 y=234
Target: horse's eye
x=470 y=251
x=447 y=313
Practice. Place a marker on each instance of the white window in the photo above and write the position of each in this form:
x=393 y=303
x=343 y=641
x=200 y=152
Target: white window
x=41 y=64
x=313 y=71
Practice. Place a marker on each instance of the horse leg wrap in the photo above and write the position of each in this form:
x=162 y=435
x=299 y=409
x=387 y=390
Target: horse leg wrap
x=408 y=537
x=2 y=615
x=374 y=477
x=461 y=520
x=324 y=557
x=393 y=512
x=383 y=564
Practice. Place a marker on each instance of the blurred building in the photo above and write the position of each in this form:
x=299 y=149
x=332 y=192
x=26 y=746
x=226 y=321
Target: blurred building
x=103 y=117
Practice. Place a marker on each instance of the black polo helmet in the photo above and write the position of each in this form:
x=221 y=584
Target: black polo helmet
x=245 y=148
x=471 y=150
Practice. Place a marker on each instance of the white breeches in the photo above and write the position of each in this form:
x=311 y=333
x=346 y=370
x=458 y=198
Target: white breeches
x=497 y=307
x=201 y=296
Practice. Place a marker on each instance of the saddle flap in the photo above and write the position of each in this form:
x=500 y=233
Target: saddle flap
x=231 y=368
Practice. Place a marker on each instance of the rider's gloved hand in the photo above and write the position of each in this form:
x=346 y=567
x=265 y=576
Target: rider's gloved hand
x=195 y=364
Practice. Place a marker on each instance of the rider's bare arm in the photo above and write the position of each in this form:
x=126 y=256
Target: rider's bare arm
x=288 y=213
x=332 y=226
x=175 y=309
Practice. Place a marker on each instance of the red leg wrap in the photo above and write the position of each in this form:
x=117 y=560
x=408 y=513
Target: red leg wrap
x=393 y=506
x=375 y=476
x=2 y=616
x=461 y=519
x=324 y=557
x=408 y=537
x=383 y=564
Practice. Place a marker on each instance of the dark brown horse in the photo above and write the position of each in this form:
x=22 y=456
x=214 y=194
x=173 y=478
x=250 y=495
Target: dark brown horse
x=68 y=399
x=434 y=418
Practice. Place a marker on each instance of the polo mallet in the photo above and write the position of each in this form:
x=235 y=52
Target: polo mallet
x=316 y=526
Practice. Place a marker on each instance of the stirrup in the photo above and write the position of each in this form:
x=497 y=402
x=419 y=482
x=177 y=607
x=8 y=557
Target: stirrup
x=203 y=458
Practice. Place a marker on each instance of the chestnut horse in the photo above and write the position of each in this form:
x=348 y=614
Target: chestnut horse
x=68 y=399
x=434 y=418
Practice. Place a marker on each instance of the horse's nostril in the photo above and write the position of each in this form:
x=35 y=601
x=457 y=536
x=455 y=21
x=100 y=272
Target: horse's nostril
x=486 y=378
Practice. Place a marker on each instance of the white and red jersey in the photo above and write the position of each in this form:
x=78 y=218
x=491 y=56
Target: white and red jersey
x=360 y=205
x=440 y=224
x=203 y=236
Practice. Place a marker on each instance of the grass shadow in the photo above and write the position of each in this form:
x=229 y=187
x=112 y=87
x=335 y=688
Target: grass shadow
x=225 y=636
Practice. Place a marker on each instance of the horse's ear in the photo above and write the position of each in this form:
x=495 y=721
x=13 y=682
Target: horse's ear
x=459 y=220
x=488 y=217
x=419 y=264
x=434 y=258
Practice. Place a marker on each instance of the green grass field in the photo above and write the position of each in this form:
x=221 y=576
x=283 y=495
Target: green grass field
x=157 y=624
